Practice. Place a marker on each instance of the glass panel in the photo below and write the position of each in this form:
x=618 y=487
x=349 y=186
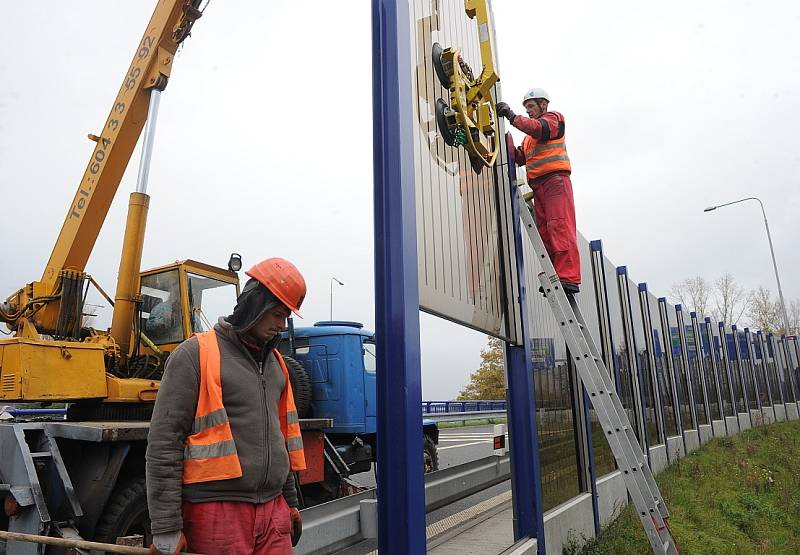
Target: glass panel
x=665 y=381
x=370 y=361
x=695 y=367
x=651 y=422
x=760 y=370
x=770 y=369
x=794 y=365
x=727 y=404
x=783 y=371
x=711 y=376
x=209 y=300
x=161 y=315
x=590 y=305
x=620 y=346
x=558 y=454
x=747 y=370
x=730 y=351
x=679 y=369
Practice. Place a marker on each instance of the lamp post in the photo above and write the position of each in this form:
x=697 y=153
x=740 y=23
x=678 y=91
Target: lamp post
x=340 y=283
x=771 y=250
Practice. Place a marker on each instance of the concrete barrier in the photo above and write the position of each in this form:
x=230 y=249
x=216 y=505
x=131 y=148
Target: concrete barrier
x=732 y=424
x=757 y=417
x=569 y=522
x=691 y=440
x=718 y=426
x=675 y=448
x=780 y=412
x=791 y=411
x=658 y=458
x=744 y=421
x=706 y=433
x=769 y=414
x=612 y=496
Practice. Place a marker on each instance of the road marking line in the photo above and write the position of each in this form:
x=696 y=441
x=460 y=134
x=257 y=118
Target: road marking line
x=463 y=445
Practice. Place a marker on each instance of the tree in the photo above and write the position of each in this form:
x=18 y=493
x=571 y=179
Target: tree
x=730 y=299
x=488 y=381
x=764 y=313
x=793 y=313
x=693 y=293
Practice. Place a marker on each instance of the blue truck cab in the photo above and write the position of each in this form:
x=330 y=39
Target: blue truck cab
x=339 y=362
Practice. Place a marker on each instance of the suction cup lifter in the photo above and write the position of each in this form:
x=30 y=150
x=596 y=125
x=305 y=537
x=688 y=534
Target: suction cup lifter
x=470 y=117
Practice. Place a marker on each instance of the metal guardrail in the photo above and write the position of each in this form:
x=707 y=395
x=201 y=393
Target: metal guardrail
x=344 y=522
x=464 y=416
x=432 y=407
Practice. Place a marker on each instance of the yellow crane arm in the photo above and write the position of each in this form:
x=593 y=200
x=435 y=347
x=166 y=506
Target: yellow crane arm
x=169 y=25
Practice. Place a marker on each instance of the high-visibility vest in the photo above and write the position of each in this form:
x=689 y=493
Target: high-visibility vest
x=210 y=453
x=547 y=154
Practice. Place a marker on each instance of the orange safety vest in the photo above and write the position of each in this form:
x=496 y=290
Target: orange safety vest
x=210 y=452
x=547 y=154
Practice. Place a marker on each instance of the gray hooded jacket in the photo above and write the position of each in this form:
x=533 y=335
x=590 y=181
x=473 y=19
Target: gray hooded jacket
x=250 y=393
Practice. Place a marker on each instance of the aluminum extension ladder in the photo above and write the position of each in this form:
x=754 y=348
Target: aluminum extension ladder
x=630 y=459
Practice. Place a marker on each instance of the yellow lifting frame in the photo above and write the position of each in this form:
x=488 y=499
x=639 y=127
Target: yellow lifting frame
x=470 y=119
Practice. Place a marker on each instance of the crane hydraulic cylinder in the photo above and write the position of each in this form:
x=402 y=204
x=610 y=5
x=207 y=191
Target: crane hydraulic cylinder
x=127 y=295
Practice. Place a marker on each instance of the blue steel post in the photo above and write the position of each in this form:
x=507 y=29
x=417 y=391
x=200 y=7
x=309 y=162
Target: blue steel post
x=401 y=494
x=524 y=446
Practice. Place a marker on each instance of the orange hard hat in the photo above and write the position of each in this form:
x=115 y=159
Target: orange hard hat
x=283 y=279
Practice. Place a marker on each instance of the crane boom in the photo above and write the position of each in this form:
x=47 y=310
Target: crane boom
x=150 y=68
x=52 y=304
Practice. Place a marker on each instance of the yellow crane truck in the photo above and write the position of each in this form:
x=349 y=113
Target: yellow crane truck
x=83 y=476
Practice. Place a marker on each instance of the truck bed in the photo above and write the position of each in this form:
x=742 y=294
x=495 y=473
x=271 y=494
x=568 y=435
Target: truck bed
x=133 y=431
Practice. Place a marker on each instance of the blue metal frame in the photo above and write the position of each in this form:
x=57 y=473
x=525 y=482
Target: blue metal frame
x=401 y=493
x=526 y=484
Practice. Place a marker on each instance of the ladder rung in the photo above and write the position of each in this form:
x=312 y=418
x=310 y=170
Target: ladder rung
x=41 y=454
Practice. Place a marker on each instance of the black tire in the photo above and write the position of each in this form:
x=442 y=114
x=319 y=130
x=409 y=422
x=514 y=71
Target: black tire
x=430 y=454
x=126 y=514
x=301 y=386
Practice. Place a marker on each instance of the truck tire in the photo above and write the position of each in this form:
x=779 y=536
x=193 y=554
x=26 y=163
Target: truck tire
x=430 y=453
x=126 y=514
x=301 y=386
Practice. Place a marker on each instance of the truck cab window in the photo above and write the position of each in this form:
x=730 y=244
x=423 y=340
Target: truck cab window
x=370 y=361
x=209 y=299
x=162 y=317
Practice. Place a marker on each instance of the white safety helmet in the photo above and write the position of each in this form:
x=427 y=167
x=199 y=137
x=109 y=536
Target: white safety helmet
x=536 y=93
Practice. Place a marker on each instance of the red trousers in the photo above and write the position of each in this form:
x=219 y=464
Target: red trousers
x=555 y=218
x=238 y=528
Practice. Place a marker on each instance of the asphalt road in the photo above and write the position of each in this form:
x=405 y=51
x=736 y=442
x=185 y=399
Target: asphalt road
x=456 y=446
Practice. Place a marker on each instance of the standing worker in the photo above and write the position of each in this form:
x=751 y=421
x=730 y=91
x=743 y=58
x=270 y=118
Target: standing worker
x=224 y=437
x=544 y=152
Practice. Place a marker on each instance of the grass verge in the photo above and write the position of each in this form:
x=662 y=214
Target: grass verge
x=737 y=495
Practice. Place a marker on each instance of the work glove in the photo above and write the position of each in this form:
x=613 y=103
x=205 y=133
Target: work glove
x=505 y=111
x=297 y=525
x=168 y=543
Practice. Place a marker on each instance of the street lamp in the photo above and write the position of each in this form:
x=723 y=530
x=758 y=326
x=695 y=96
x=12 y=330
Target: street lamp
x=771 y=250
x=340 y=283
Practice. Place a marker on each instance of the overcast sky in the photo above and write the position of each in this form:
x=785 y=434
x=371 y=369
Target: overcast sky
x=264 y=142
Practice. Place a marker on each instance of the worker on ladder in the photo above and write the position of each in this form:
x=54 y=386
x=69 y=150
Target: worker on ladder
x=544 y=153
x=225 y=438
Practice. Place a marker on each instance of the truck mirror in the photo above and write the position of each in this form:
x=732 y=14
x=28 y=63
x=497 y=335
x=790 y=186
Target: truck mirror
x=235 y=262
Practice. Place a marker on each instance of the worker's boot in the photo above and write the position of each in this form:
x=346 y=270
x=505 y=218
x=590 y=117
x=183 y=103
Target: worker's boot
x=570 y=289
